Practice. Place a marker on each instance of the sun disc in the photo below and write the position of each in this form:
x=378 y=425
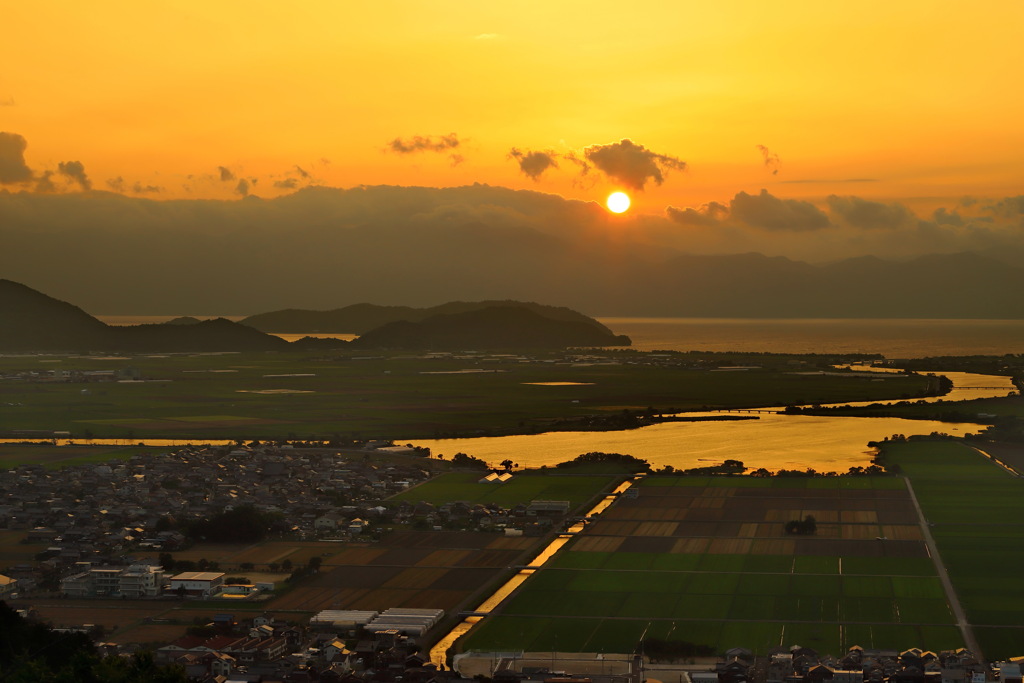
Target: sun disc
x=617 y=202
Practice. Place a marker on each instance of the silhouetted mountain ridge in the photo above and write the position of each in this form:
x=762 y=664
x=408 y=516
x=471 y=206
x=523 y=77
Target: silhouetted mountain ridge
x=34 y=321
x=361 y=318
x=37 y=322
x=493 y=327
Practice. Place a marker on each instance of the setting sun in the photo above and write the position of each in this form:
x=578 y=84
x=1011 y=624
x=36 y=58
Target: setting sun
x=617 y=202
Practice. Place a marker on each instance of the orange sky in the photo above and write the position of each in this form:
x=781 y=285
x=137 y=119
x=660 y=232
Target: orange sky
x=914 y=99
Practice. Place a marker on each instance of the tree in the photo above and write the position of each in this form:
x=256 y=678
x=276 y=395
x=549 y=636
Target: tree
x=507 y=464
x=805 y=527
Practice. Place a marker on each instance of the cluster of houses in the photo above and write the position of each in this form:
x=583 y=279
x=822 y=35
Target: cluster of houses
x=98 y=513
x=267 y=649
x=859 y=665
x=533 y=518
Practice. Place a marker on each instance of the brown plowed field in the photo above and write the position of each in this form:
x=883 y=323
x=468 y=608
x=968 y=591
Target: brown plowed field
x=407 y=569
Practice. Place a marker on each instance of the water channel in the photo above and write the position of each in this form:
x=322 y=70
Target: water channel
x=439 y=652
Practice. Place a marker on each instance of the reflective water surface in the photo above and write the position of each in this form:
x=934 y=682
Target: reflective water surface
x=773 y=441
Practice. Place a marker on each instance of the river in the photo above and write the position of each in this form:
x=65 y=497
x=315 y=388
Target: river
x=773 y=441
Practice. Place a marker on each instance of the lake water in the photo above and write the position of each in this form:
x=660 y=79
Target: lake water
x=891 y=338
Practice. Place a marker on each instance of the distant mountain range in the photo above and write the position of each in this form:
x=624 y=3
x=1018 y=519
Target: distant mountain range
x=963 y=285
x=323 y=247
x=36 y=322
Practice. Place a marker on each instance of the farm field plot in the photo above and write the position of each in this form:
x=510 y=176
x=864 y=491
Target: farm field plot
x=55 y=457
x=521 y=488
x=407 y=569
x=66 y=613
x=976 y=512
x=261 y=555
x=695 y=559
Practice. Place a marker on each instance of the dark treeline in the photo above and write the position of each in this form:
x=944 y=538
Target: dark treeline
x=33 y=652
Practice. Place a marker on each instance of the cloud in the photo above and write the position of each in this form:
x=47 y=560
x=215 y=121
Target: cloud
x=533 y=164
x=304 y=174
x=139 y=188
x=286 y=184
x=631 y=164
x=486 y=36
x=13 y=168
x=419 y=143
x=944 y=217
x=869 y=215
x=226 y=174
x=1010 y=207
x=45 y=184
x=764 y=211
x=771 y=159
x=768 y=211
x=242 y=187
x=116 y=184
x=7 y=102
x=708 y=215
x=830 y=181
x=75 y=172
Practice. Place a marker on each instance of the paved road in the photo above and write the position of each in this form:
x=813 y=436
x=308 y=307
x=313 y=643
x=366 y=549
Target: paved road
x=954 y=601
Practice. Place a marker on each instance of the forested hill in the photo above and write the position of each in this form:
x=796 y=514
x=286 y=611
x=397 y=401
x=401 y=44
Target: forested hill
x=494 y=327
x=363 y=317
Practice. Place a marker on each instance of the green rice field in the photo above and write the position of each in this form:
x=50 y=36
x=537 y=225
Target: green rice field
x=741 y=582
x=977 y=512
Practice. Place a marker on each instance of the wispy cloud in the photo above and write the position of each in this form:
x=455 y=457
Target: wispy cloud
x=771 y=159
x=421 y=143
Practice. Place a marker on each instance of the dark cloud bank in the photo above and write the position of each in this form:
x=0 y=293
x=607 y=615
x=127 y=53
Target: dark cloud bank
x=326 y=247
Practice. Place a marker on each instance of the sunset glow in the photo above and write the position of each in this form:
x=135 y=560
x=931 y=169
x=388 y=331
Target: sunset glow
x=808 y=130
